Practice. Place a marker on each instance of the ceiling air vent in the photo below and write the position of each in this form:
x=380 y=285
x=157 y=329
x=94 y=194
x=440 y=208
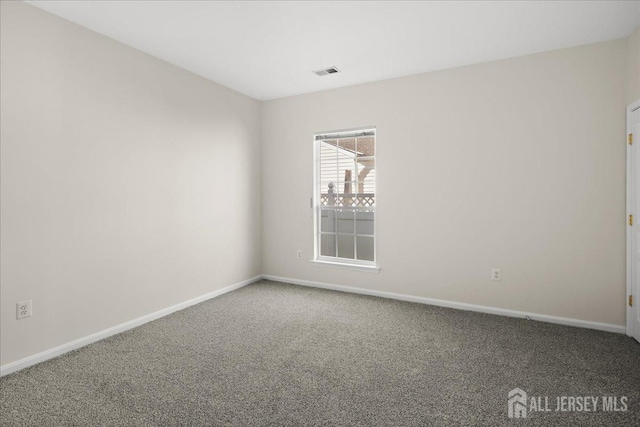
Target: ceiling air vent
x=330 y=70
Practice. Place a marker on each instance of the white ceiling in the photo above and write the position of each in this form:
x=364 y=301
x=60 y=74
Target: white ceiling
x=268 y=49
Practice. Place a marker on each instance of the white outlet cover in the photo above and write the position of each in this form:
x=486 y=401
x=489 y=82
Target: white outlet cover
x=24 y=309
x=496 y=274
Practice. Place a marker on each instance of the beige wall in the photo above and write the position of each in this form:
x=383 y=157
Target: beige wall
x=517 y=164
x=633 y=66
x=128 y=184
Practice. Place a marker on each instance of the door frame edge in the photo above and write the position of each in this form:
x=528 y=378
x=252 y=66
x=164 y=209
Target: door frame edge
x=630 y=310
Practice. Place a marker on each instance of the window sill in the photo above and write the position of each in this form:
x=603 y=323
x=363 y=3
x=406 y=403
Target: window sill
x=346 y=266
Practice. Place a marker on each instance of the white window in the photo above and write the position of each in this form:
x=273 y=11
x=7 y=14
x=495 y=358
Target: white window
x=345 y=197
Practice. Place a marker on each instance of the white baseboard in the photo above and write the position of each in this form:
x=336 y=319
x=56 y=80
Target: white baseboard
x=64 y=348
x=457 y=305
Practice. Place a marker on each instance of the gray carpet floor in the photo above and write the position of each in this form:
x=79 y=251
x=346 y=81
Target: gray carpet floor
x=272 y=354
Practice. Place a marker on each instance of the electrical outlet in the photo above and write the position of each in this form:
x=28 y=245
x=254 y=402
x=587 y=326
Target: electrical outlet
x=23 y=309
x=299 y=254
x=496 y=274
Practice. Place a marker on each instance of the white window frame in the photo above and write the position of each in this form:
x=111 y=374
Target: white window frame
x=331 y=261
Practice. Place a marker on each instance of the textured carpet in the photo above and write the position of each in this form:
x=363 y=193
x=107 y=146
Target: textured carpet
x=272 y=354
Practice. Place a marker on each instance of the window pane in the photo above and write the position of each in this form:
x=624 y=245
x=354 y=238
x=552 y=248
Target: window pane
x=345 y=221
x=328 y=162
x=324 y=186
x=348 y=144
x=327 y=220
x=327 y=245
x=345 y=187
x=364 y=222
x=346 y=166
x=346 y=196
x=365 y=248
x=329 y=194
x=366 y=175
x=345 y=246
x=366 y=146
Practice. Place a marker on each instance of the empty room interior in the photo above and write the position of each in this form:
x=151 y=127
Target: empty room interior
x=320 y=213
